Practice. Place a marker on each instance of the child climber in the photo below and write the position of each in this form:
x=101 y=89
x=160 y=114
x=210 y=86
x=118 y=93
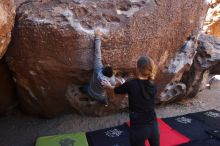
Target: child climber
x=141 y=92
x=100 y=73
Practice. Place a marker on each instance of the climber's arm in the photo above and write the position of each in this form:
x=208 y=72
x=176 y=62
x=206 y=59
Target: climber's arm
x=97 y=56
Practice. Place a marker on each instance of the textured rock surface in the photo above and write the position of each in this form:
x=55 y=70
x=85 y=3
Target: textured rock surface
x=7 y=89
x=19 y=2
x=7 y=15
x=214 y=82
x=212 y=21
x=212 y=26
x=195 y=77
x=51 y=53
x=208 y=55
x=216 y=69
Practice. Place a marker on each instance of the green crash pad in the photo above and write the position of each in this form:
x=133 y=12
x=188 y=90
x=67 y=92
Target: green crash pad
x=78 y=139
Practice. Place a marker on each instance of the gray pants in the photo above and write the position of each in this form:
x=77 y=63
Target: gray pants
x=84 y=89
x=139 y=133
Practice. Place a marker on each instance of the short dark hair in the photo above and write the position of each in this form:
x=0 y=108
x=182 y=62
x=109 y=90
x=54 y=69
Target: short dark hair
x=107 y=71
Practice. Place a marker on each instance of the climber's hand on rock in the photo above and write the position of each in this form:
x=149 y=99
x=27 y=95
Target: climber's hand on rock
x=120 y=80
x=106 y=84
x=98 y=33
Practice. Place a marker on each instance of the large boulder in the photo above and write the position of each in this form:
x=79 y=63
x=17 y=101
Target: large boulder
x=8 y=100
x=53 y=43
x=7 y=16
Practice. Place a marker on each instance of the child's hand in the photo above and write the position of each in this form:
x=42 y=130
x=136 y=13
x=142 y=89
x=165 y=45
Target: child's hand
x=106 y=84
x=120 y=80
x=98 y=33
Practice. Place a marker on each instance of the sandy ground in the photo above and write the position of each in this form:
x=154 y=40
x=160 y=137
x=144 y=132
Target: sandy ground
x=20 y=130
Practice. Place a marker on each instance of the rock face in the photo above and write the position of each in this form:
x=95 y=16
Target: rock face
x=7 y=15
x=195 y=77
x=7 y=89
x=212 y=26
x=52 y=49
x=212 y=21
x=19 y=2
x=207 y=56
x=216 y=69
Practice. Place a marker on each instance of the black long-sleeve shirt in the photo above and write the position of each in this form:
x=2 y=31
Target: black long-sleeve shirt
x=141 y=95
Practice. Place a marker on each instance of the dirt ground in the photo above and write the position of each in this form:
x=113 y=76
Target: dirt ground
x=20 y=130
